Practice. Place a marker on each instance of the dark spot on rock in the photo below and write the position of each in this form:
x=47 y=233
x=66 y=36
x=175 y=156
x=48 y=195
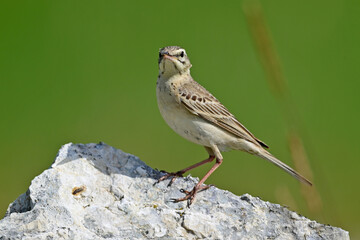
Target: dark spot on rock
x=77 y=190
x=245 y=198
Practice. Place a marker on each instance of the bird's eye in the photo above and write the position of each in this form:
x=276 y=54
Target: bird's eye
x=182 y=54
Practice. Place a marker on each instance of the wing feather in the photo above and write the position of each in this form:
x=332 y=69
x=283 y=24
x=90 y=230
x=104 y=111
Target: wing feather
x=200 y=102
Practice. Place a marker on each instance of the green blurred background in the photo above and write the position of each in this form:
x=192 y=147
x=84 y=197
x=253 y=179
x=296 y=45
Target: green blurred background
x=85 y=71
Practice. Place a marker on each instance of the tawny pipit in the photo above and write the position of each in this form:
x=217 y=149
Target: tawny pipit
x=192 y=112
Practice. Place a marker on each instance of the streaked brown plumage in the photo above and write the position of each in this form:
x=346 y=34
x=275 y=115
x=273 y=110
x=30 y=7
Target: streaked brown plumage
x=195 y=114
x=201 y=103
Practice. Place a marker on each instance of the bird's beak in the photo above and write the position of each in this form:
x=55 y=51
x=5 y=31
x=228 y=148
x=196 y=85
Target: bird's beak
x=171 y=58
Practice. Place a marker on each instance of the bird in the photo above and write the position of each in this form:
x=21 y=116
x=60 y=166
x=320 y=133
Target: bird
x=196 y=115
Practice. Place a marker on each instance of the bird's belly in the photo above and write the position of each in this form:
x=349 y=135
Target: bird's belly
x=192 y=127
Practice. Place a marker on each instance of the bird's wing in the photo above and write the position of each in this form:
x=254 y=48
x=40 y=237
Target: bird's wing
x=200 y=102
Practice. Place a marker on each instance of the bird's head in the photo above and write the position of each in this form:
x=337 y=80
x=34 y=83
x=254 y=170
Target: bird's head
x=173 y=60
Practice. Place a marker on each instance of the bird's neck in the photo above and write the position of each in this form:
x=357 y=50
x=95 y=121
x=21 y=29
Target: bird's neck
x=174 y=77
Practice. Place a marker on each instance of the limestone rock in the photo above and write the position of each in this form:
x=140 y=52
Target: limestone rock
x=95 y=191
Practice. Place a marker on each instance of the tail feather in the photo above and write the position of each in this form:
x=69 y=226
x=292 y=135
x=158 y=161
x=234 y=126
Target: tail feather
x=267 y=156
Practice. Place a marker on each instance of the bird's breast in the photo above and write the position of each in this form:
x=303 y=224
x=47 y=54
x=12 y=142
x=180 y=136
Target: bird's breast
x=186 y=124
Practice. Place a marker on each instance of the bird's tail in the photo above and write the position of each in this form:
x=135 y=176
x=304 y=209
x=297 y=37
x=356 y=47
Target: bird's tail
x=267 y=156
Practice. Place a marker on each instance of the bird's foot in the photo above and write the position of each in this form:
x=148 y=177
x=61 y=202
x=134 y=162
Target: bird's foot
x=190 y=195
x=172 y=175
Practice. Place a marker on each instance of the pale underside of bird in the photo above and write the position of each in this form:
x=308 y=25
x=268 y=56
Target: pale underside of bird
x=195 y=114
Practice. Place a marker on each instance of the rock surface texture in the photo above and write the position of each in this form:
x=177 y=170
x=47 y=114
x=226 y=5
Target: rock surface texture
x=95 y=191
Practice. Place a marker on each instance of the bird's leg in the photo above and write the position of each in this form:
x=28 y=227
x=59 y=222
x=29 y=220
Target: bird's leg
x=190 y=195
x=180 y=173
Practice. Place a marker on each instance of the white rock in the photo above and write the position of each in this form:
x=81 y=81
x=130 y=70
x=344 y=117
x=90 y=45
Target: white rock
x=94 y=191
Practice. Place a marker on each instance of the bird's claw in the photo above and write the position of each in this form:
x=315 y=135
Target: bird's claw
x=189 y=198
x=184 y=191
x=190 y=195
x=172 y=175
